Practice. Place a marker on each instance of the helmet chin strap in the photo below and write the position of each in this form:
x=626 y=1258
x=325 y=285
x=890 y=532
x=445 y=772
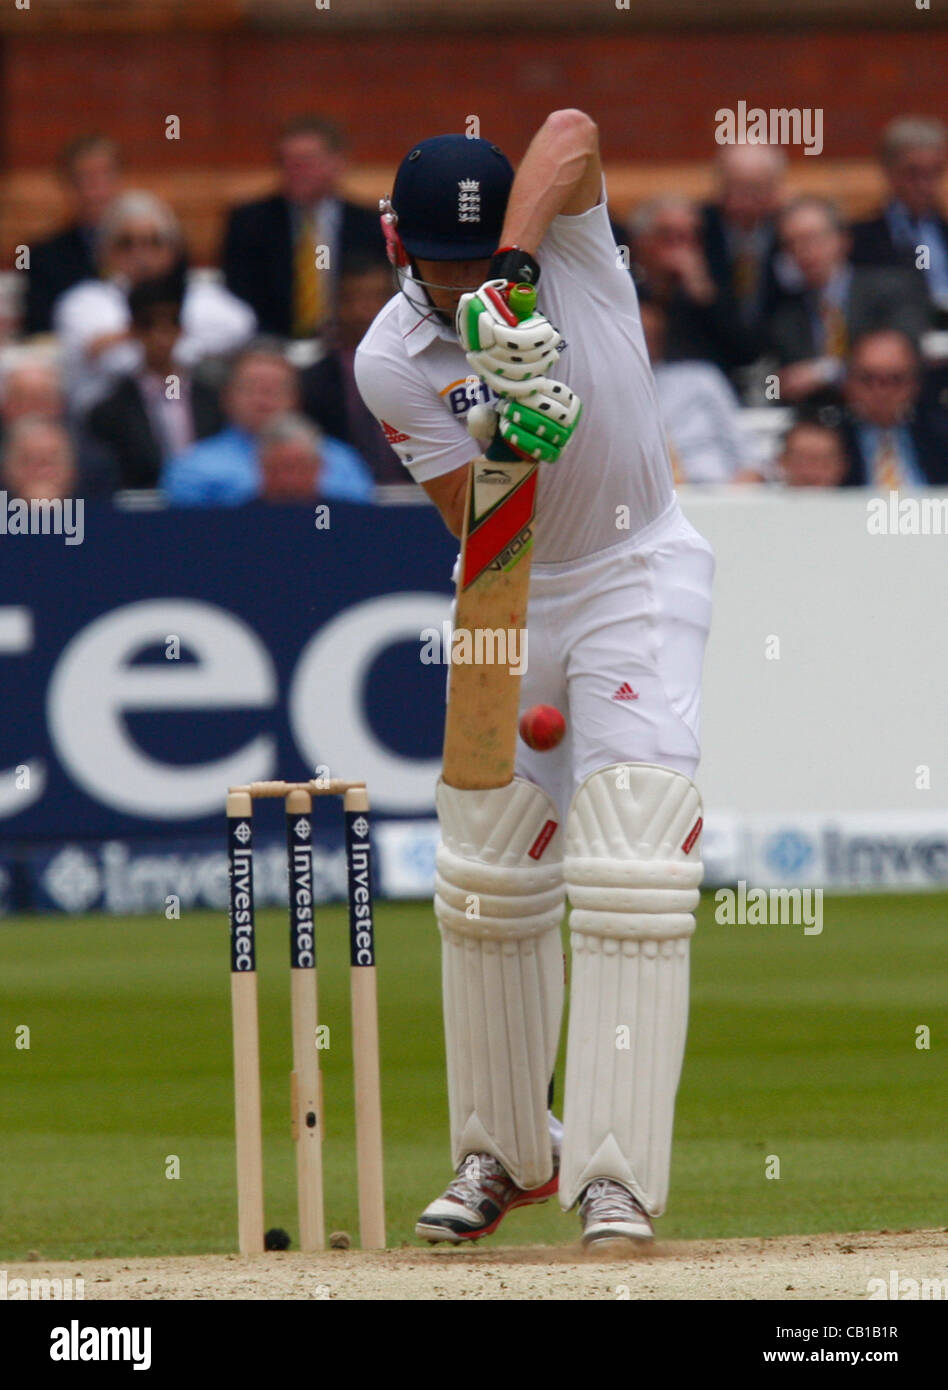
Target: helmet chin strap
x=427 y=306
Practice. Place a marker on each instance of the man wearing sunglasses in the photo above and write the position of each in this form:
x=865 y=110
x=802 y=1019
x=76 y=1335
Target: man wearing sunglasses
x=139 y=240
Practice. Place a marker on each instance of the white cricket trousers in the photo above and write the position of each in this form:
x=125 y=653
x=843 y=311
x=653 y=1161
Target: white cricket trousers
x=616 y=642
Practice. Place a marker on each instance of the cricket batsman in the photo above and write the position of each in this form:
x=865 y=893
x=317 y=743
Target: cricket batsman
x=619 y=612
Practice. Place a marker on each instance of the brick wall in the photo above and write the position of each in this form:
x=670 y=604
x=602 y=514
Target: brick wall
x=654 y=95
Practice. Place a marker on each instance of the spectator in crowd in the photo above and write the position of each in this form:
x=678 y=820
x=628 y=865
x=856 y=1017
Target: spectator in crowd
x=139 y=239
x=911 y=228
x=813 y=455
x=37 y=461
x=669 y=268
x=330 y=394
x=90 y=169
x=934 y=393
x=30 y=384
x=270 y=247
x=811 y=331
x=31 y=387
x=891 y=443
x=161 y=408
x=224 y=470
x=11 y=306
x=699 y=409
x=739 y=230
x=291 y=462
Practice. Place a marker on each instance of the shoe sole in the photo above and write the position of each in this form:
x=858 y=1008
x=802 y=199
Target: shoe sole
x=618 y=1240
x=435 y=1234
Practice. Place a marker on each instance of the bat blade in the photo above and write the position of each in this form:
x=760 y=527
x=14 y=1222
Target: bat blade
x=490 y=625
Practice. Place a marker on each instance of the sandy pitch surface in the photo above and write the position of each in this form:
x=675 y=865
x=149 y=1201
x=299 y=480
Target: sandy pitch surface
x=784 y=1268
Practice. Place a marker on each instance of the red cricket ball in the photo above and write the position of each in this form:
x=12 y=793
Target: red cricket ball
x=542 y=727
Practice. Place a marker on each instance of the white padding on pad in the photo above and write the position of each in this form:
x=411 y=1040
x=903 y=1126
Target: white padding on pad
x=499 y=900
x=633 y=870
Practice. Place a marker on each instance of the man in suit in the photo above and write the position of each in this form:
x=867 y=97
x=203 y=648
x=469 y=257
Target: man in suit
x=283 y=254
x=670 y=269
x=91 y=172
x=891 y=439
x=329 y=392
x=911 y=230
x=161 y=408
x=739 y=232
x=810 y=332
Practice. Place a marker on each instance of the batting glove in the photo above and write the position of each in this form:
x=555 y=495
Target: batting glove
x=536 y=427
x=507 y=355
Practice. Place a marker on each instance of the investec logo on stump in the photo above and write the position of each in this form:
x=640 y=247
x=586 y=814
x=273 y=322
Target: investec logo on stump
x=242 y=868
x=360 y=912
x=43 y=516
x=75 y=1343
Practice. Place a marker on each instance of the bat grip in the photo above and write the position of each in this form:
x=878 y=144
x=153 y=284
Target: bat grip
x=522 y=300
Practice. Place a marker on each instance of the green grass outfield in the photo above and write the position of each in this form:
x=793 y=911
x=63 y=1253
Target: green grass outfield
x=800 y=1046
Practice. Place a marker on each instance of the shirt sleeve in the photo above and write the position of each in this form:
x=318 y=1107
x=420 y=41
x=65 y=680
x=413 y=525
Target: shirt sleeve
x=424 y=435
x=214 y=323
x=209 y=476
x=583 y=248
x=88 y=311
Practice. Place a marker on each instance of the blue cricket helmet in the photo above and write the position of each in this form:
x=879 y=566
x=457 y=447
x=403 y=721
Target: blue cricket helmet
x=450 y=196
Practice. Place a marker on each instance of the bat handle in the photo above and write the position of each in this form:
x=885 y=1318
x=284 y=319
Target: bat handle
x=522 y=300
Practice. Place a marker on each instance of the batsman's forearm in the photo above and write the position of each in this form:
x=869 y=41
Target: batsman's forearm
x=550 y=173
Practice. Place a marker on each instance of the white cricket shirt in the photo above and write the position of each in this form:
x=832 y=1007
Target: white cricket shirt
x=614 y=477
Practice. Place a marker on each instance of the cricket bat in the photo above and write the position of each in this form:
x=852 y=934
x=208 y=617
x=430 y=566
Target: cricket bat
x=480 y=736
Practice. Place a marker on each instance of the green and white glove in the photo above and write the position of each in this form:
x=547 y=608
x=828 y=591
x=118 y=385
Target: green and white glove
x=536 y=426
x=507 y=352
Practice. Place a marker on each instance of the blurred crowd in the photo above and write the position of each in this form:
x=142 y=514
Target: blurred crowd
x=757 y=299
x=789 y=348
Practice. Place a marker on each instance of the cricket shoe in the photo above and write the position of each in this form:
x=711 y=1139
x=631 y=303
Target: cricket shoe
x=609 y=1212
x=476 y=1202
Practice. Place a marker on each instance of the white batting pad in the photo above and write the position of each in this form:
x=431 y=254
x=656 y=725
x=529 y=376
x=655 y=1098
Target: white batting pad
x=499 y=900
x=632 y=871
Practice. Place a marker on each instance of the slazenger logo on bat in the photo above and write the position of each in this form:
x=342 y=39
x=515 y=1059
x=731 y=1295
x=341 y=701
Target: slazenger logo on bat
x=493 y=475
